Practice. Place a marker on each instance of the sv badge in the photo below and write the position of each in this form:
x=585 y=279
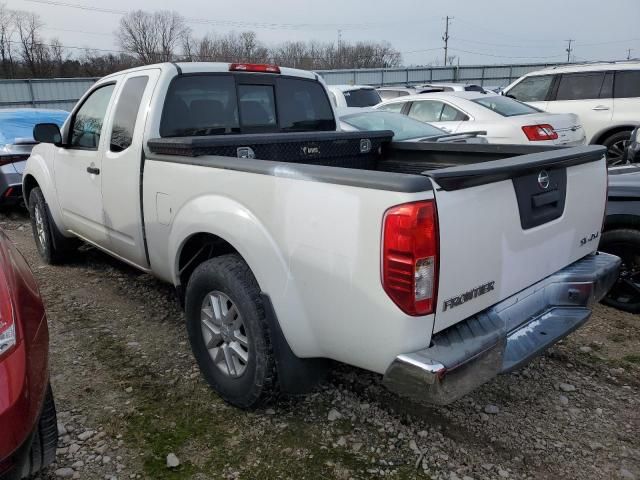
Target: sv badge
x=589 y=238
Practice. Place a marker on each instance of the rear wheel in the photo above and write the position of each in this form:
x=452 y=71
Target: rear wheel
x=228 y=331
x=625 y=293
x=52 y=246
x=45 y=438
x=616 y=145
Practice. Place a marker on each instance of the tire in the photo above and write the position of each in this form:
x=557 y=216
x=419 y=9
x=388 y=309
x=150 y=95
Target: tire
x=625 y=243
x=228 y=282
x=53 y=247
x=45 y=438
x=616 y=145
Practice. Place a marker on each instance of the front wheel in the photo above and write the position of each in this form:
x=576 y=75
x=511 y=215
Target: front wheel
x=228 y=331
x=625 y=293
x=52 y=246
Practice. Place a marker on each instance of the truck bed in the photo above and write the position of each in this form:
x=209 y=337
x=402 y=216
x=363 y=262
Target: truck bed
x=448 y=163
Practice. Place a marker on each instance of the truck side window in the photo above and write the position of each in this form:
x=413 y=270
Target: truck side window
x=200 y=105
x=88 y=120
x=532 y=89
x=124 y=120
x=257 y=105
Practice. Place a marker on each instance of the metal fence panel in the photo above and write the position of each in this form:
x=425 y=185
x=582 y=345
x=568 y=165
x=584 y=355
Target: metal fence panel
x=64 y=92
x=61 y=93
x=492 y=75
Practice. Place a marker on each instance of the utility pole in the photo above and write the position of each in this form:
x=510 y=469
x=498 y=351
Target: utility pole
x=446 y=38
x=629 y=53
x=569 y=49
x=339 y=48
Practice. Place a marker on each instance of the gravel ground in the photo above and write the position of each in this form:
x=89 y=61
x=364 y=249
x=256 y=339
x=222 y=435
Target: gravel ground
x=130 y=400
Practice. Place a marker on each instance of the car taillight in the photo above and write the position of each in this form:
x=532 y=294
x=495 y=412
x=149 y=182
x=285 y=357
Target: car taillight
x=7 y=321
x=410 y=256
x=536 y=133
x=254 y=67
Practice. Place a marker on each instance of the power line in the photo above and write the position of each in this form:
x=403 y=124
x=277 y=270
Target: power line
x=231 y=23
x=505 y=56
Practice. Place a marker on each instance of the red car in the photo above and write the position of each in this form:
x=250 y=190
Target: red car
x=28 y=426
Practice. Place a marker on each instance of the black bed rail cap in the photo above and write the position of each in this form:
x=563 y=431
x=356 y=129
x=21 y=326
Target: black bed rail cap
x=465 y=176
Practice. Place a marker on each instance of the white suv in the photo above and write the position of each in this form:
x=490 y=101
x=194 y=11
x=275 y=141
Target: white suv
x=606 y=97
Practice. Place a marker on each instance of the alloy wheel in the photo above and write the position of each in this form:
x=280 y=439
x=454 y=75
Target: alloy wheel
x=224 y=334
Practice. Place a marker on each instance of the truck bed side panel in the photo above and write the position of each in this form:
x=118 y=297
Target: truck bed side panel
x=313 y=246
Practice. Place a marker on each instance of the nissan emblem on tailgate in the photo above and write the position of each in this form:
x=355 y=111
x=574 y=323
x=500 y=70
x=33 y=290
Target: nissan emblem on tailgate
x=543 y=179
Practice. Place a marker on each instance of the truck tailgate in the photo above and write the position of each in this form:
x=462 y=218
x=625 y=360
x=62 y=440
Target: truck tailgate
x=507 y=224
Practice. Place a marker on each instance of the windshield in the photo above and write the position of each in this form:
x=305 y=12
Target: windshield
x=402 y=126
x=505 y=106
x=19 y=123
x=364 y=97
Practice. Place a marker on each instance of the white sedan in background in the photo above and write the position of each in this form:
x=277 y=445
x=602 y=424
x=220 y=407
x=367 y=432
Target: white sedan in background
x=505 y=120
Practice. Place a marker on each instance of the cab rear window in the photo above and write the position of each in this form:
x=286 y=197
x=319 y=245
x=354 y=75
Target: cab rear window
x=217 y=104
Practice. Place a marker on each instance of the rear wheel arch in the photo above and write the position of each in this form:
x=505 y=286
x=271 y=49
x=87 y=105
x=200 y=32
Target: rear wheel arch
x=196 y=249
x=296 y=375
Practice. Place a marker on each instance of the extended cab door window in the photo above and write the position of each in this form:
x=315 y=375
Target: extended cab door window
x=124 y=120
x=122 y=164
x=88 y=121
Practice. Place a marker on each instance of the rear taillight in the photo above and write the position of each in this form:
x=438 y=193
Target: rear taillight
x=536 y=133
x=254 y=67
x=410 y=256
x=7 y=321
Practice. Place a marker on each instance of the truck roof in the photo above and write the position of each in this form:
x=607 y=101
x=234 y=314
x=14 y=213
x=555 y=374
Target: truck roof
x=213 y=67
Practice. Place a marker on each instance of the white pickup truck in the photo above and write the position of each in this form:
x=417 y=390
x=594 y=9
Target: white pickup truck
x=291 y=243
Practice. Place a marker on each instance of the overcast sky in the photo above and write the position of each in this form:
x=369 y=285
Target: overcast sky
x=484 y=31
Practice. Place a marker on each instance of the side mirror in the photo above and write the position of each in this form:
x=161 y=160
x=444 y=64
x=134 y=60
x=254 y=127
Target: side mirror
x=47 y=133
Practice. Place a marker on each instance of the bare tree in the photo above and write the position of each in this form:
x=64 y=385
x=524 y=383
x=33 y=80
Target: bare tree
x=7 y=31
x=28 y=26
x=152 y=37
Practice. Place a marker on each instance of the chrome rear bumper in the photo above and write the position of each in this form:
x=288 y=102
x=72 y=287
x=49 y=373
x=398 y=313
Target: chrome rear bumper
x=505 y=336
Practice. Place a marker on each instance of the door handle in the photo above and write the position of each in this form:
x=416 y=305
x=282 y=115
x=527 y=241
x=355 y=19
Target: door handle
x=599 y=108
x=93 y=170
